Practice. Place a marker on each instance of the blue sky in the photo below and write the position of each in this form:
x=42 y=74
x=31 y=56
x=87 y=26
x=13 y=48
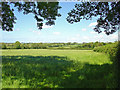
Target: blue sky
x=25 y=30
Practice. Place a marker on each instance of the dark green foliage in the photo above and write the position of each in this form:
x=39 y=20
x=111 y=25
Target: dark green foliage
x=118 y=64
x=4 y=46
x=8 y=17
x=69 y=45
x=108 y=14
x=113 y=50
x=22 y=46
x=17 y=45
x=42 y=11
x=109 y=49
x=89 y=46
x=39 y=45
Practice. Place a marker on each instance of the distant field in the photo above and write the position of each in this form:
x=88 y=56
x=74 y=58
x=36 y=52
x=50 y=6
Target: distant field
x=43 y=68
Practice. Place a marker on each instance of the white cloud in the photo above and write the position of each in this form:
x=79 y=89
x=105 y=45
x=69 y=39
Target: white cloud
x=92 y=24
x=114 y=36
x=46 y=26
x=56 y=33
x=93 y=32
x=105 y=38
x=85 y=37
x=30 y=29
x=102 y=37
x=37 y=32
x=77 y=35
x=84 y=29
x=73 y=38
x=98 y=36
x=93 y=38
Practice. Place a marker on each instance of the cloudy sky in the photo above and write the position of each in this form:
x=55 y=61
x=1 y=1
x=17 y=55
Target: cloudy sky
x=25 y=30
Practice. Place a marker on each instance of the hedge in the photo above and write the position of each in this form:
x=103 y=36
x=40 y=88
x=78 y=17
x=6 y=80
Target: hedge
x=110 y=49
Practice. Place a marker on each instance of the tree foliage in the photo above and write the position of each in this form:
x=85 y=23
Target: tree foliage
x=17 y=45
x=68 y=45
x=110 y=49
x=108 y=14
x=42 y=11
x=4 y=46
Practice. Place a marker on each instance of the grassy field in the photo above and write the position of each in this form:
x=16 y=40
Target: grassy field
x=43 y=68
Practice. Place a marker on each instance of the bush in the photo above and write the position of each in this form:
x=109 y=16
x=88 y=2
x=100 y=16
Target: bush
x=110 y=49
x=113 y=50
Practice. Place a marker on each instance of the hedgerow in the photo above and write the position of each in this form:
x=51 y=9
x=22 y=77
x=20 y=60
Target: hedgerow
x=113 y=50
x=110 y=49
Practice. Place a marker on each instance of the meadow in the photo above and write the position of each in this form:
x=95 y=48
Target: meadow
x=46 y=68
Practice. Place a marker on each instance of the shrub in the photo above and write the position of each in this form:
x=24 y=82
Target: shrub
x=110 y=49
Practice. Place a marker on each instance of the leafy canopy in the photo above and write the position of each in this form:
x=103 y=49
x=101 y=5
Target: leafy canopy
x=17 y=45
x=108 y=14
x=42 y=11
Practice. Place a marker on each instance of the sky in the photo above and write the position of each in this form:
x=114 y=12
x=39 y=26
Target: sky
x=25 y=30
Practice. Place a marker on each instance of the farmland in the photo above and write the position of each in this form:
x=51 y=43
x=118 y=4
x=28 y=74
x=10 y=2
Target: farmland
x=46 y=68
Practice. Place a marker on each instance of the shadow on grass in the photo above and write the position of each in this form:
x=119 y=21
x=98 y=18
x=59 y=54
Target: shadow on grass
x=53 y=72
x=92 y=76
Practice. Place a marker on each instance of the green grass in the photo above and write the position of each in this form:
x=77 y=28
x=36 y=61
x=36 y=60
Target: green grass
x=42 y=68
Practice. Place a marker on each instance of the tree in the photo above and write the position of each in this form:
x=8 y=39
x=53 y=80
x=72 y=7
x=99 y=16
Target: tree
x=22 y=46
x=4 y=46
x=17 y=45
x=108 y=14
x=42 y=11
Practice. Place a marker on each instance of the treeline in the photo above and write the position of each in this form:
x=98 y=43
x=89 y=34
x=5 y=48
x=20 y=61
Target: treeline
x=91 y=45
x=18 y=45
x=85 y=46
x=69 y=45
